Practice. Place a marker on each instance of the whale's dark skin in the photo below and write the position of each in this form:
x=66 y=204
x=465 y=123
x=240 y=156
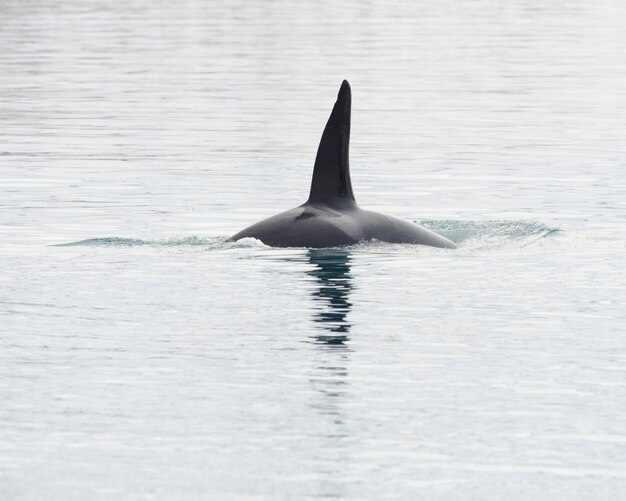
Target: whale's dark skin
x=331 y=216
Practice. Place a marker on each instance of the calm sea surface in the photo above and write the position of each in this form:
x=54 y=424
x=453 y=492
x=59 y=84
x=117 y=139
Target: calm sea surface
x=149 y=360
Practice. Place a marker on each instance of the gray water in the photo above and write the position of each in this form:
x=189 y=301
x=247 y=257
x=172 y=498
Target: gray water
x=147 y=359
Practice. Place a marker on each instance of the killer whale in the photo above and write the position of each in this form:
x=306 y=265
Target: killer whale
x=331 y=216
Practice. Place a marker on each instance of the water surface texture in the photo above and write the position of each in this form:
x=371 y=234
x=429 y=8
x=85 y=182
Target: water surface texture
x=143 y=358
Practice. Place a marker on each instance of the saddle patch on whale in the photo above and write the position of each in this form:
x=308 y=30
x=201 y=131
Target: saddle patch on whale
x=331 y=217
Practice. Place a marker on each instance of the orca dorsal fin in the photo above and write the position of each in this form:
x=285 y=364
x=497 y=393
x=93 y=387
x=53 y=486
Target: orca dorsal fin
x=331 y=174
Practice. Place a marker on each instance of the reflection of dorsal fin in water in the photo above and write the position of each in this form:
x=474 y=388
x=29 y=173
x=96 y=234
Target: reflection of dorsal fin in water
x=331 y=174
x=332 y=272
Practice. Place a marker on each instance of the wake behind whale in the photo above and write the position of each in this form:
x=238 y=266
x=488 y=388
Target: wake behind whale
x=474 y=236
x=331 y=216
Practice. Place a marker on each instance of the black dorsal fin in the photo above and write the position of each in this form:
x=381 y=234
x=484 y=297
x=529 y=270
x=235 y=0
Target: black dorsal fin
x=331 y=174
